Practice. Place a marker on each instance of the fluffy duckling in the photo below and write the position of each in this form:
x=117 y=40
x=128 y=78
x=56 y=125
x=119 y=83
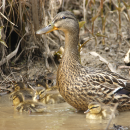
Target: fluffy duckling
x=39 y=94
x=44 y=85
x=53 y=98
x=97 y=111
x=47 y=96
x=20 y=89
x=26 y=94
x=27 y=105
x=17 y=99
x=19 y=86
x=46 y=81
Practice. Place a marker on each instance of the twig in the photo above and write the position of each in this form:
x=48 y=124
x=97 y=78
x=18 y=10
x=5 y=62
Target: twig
x=54 y=43
x=31 y=87
x=124 y=67
x=12 y=54
x=35 y=14
x=6 y=78
x=126 y=59
x=102 y=59
x=111 y=117
x=84 y=9
x=8 y=19
x=14 y=61
x=85 y=43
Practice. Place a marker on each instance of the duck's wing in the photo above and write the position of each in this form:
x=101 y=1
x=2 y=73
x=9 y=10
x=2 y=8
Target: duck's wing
x=109 y=79
x=107 y=87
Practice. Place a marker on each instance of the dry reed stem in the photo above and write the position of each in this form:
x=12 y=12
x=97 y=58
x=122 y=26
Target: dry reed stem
x=12 y=54
x=7 y=19
x=35 y=14
x=112 y=115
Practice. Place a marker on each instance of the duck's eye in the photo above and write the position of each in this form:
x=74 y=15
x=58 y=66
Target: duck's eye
x=63 y=17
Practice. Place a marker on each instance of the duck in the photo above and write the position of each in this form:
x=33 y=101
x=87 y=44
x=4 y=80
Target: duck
x=80 y=85
x=47 y=96
x=98 y=111
x=30 y=106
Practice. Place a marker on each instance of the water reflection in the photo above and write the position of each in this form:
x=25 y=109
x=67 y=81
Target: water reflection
x=57 y=117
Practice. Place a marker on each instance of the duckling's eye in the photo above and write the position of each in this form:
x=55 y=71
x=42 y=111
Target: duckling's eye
x=63 y=17
x=41 y=92
x=94 y=107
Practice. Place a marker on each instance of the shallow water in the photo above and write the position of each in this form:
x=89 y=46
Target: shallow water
x=57 y=117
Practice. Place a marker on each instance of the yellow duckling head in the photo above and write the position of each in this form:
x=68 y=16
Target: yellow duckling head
x=39 y=94
x=94 y=108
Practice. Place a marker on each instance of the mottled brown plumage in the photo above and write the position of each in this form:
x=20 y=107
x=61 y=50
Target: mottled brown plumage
x=81 y=85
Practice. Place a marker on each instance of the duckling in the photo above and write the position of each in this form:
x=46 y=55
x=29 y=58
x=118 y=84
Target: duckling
x=47 y=96
x=79 y=85
x=53 y=98
x=26 y=105
x=20 y=89
x=47 y=80
x=26 y=94
x=39 y=94
x=98 y=111
x=30 y=106
x=39 y=84
x=18 y=86
x=17 y=99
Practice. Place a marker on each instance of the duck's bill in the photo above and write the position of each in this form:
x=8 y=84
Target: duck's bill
x=47 y=29
x=87 y=111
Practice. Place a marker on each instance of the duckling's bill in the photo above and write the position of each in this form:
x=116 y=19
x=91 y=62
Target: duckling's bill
x=87 y=111
x=47 y=29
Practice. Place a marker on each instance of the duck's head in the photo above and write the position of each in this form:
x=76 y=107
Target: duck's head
x=65 y=21
x=94 y=108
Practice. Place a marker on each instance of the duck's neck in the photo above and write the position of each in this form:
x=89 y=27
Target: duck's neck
x=71 y=45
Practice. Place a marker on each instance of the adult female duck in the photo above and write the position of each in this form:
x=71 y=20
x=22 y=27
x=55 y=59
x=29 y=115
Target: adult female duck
x=81 y=85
